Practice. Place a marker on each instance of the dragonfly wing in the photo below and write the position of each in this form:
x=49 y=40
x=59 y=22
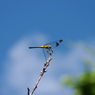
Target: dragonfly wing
x=46 y=53
x=54 y=44
x=57 y=43
x=60 y=41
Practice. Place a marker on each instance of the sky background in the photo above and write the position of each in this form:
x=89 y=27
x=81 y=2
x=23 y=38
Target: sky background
x=36 y=22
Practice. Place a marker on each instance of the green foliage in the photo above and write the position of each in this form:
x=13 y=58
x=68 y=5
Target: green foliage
x=85 y=83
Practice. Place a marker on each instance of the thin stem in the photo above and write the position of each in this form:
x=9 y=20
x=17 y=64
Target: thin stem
x=41 y=74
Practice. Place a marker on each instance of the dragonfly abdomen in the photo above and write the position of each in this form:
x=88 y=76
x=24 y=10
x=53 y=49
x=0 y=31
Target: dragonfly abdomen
x=44 y=46
x=35 y=47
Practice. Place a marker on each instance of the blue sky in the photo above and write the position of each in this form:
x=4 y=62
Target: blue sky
x=24 y=23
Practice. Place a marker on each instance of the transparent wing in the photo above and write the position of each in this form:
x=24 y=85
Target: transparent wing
x=46 y=53
x=54 y=44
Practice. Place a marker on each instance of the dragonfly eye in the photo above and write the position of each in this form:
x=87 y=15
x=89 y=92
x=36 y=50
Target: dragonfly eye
x=49 y=46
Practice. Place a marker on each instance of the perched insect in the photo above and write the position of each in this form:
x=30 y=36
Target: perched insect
x=48 y=47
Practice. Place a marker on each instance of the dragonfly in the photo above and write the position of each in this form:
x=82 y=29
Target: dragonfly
x=48 y=47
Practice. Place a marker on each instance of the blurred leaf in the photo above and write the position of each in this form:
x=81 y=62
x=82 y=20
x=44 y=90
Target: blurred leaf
x=85 y=83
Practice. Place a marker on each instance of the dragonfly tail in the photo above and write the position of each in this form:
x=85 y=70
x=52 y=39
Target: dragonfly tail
x=34 y=47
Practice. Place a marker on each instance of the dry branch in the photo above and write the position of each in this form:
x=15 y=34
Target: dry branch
x=46 y=64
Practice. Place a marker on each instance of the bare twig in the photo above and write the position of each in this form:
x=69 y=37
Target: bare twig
x=42 y=73
x=28 y=91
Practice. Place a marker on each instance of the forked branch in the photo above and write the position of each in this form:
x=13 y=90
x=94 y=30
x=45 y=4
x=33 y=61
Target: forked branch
x=46 y=64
